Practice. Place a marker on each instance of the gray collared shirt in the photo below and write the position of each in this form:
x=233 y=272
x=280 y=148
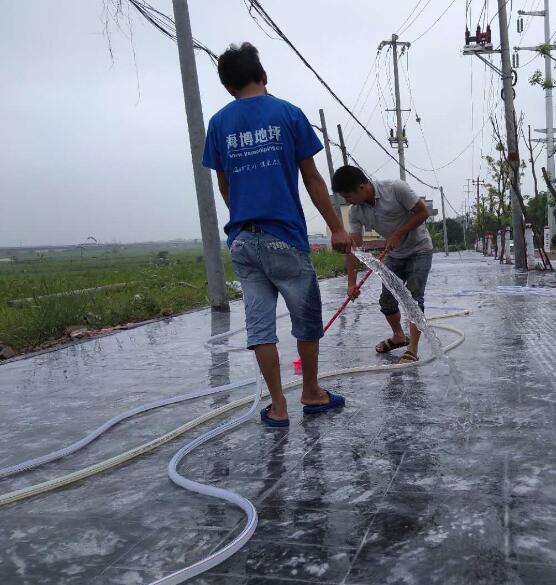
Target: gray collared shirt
x=394 y=201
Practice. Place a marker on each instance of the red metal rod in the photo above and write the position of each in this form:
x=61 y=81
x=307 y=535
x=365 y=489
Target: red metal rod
x=297 y=361
x=347 y=300
x=350 y=298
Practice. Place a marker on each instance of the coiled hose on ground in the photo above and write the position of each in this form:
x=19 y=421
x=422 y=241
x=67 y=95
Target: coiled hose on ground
x=228 y=550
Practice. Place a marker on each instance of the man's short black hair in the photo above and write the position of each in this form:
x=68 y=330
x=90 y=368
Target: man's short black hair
x=346 y=179
x=239 y=66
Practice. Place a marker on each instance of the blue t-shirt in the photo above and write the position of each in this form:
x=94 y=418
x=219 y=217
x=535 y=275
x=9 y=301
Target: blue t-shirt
x=258 y=142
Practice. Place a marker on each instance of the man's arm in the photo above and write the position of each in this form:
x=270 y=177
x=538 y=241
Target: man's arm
x=419 y=214
x=353 y=266
x=316 y=187
x=223 y=186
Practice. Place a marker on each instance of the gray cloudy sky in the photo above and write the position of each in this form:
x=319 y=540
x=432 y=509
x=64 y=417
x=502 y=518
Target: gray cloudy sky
x=84 y=155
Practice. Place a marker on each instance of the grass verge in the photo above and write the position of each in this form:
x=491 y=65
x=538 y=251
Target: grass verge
x=158 y=284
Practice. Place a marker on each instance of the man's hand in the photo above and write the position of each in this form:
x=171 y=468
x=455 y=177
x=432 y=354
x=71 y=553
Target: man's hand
x=353 y=292
x=393 y=242
x=341 y=241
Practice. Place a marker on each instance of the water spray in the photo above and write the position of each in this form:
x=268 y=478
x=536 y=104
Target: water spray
x=297 y=365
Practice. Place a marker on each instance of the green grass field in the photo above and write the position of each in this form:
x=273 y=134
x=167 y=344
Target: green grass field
x=158 y=283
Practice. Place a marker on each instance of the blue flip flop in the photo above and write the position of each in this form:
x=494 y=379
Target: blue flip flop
x=272 y=422
x=336 y=401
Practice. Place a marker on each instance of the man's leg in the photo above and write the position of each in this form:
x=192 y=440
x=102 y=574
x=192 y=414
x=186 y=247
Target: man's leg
x=259 y=297
x=312 y=393
x=395 y=322
x=269 y=363
x=301 y=292
x=418 y=268
x=414 y=336
x=389 y=305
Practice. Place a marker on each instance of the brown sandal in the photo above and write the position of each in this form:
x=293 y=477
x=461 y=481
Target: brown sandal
x=389 y=345
x=408 y=357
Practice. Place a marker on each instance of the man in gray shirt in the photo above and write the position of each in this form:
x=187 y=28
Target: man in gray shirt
x=398 y=215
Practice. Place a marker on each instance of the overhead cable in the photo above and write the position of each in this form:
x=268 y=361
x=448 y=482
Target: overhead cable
x=435 y=22
x=265 y=16
x=166 y=25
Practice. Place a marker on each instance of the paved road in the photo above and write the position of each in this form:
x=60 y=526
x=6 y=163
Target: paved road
x=418 y=480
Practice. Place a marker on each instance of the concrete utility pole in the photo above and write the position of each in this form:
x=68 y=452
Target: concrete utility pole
x=465 y=225
x=444 y=223
x=203 y=181
x=478 y=183
x=511 y=136
x=468 y=191
x=336 y=200
x=549 y=116
x=342 y=145
x=400 y=135
x=549 y=130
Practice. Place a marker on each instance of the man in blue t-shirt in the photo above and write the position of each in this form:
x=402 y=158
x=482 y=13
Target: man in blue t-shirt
x=257 y=145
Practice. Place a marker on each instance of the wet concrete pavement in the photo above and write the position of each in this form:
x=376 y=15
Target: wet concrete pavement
x=418 y=480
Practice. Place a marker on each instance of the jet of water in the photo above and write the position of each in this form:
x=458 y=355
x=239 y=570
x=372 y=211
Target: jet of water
x=404 y=298
x=416 y=316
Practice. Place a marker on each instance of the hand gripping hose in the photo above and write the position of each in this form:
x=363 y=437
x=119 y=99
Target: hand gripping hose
x=238 y=542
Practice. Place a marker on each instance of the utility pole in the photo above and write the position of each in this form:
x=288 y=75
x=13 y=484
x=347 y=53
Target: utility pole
x=468 y=191
x=400 y=138
x=511 y=136
x=342 y=145
x=549 y=130
x=336 y=200
x=212 y=251
x=444 y=222
x=464 y=209
x=478 y=183
x=480 y=45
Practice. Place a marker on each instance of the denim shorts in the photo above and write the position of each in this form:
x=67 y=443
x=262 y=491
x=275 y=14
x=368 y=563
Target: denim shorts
x=265 y=267
x=413 y=271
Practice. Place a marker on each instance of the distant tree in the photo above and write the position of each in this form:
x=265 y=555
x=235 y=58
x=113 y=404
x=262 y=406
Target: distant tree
x=454 y=231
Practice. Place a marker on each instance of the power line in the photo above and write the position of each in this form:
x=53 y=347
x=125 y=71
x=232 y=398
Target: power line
x=367 y=122
x=162 y=22
x=265 y=16
x=418 y=119
x=462 y=152
x=409 y=16
x=340 y=147
x=349 y=124
x=435 y=22
x=498 y=12
x=483 y=11
x=416 y=17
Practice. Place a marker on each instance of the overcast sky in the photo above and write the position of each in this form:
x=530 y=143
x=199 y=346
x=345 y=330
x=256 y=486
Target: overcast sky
x=95 y=148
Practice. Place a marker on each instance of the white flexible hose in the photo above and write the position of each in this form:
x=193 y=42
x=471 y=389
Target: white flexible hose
x=230 y=549
x=83 y=442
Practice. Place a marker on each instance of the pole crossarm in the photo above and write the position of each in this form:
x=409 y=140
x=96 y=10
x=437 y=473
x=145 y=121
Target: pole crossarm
x=385 y=43
x=538 y=48
x=533 y=13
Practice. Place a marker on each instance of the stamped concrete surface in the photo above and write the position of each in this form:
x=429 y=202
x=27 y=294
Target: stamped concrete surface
x=424 y=477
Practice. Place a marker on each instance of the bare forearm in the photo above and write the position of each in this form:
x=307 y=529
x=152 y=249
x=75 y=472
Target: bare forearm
x=415 y=220
x=223 y=187
x=318 y=192
x=225 y=197
x=352 y=268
